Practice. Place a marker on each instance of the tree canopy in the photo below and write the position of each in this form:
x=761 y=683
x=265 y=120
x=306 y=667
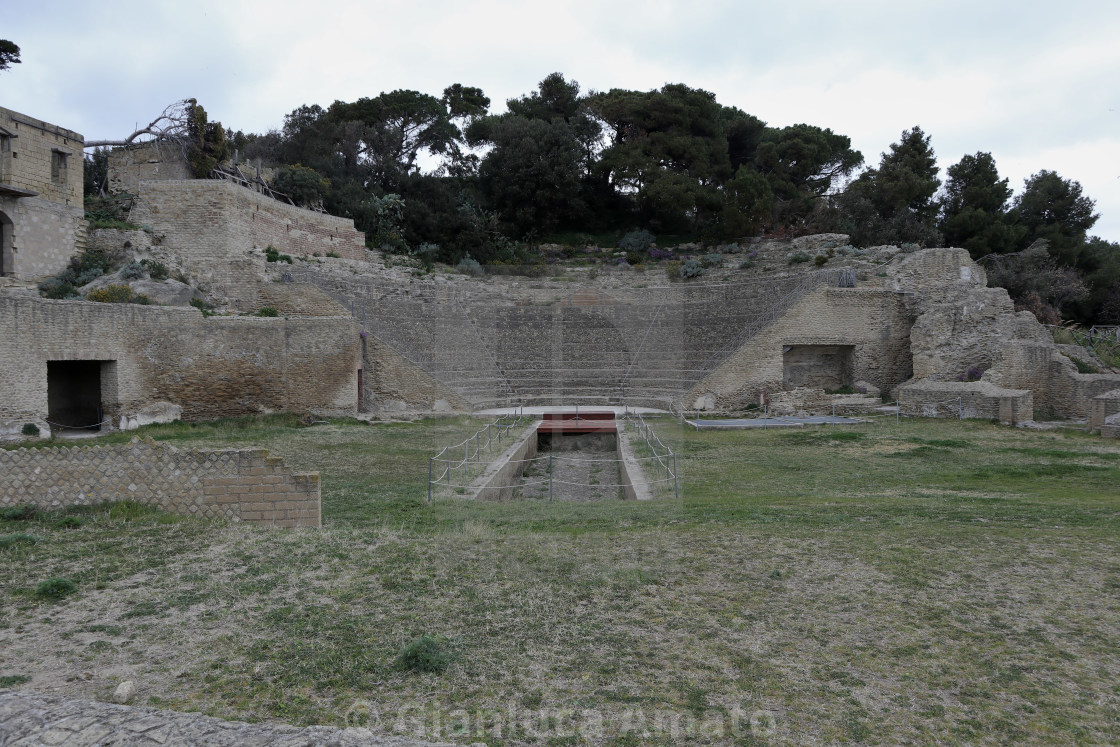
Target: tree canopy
x=9 y=54
x=444 y=177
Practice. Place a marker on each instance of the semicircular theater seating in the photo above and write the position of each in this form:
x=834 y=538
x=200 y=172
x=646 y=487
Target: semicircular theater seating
x=639 y=347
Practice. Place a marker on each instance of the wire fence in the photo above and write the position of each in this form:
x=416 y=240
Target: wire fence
x=454 y=467
x=665 y=466
x=465 y=458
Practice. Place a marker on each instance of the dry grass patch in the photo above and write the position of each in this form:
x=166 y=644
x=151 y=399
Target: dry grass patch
x=967 y=593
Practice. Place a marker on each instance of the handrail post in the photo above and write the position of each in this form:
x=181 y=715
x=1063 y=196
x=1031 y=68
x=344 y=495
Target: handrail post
x=430 y=460
x=550 y=477
x=676 y=482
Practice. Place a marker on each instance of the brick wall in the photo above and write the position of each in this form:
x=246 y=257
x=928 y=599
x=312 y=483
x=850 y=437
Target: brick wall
x=144 y=161
x=238 y=484
x=873 y=321
x=222 y=216
x=211 y=367
x=974 y=399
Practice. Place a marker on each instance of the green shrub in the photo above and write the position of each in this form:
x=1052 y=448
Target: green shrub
x=111 y=294
x=636 y=241
x=132 y=271
x=633 y=258
x=26 y=512
x=156 y=270
x=424 y=654
x=1083 y=366
x=58 y=289
x=469 y=266
x=55 y=588
x=29 y=429
x=799 y=257
x=272 y=255
x=691 y=268
x=104 y=218
x=267 y=311
x=713 y=259
x=12 y=680
x=820 y=260
x=19 y=538
x=69 y=522
x=203 y=305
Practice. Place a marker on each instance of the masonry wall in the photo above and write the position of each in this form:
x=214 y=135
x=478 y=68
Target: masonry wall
x=27 y=163
x=211 y=367
x=224 y=218
x=133 y=164
x=40 y=195
x=44 y=236
x=873 y=321
x=238 y=484
x=977 y=399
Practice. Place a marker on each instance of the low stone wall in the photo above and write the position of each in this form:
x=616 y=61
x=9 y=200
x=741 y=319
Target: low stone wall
x=1102 y=408
x=238 y=484
x=975 y=399
x=500 y=479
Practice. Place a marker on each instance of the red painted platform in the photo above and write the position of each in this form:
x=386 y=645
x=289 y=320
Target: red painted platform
x=582 y=422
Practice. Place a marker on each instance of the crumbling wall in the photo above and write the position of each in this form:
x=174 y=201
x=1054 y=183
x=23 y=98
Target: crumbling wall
x=211 y=367
x=961 y=324
x=237 y=484
x=155 y=160
x=220 y=230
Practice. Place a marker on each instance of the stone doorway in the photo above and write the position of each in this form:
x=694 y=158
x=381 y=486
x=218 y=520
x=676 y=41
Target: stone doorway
x=6 y=259
x=818 y=366
x=76 y=394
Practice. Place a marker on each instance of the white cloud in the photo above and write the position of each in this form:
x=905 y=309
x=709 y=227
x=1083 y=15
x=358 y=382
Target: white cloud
x=1030 y=82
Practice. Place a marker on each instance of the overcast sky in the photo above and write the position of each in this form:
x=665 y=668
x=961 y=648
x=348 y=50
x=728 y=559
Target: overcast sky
x=1037 y=84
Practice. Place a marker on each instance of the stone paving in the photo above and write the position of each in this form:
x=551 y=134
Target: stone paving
x=32 y=718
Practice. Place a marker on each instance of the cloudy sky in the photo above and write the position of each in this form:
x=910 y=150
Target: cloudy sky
x=1036 y=83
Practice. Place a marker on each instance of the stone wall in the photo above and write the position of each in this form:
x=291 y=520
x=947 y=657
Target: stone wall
x=960 y=399
x=153 y=160
x=41 y=238
x=42 y=218
x=238 y=484
x=26 y=163
x=874 y=322
x=218 y=231
x=211 y=367
x=1103 y=407
x=393 y=384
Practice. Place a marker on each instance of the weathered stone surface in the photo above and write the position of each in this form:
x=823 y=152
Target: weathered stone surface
x=44 y=162
x=237 y=484
x=169 y=292
x=157 y=412
x=124 y=692
x=210 y=367
x=31 y=718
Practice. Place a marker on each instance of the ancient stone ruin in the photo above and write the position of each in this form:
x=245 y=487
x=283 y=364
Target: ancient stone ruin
x=345 y=333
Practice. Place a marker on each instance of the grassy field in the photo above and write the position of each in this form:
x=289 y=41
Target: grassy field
x=932 y=581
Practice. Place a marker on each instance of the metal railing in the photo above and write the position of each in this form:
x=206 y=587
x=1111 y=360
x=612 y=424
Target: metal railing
x=664 y=458
x=460 y=456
